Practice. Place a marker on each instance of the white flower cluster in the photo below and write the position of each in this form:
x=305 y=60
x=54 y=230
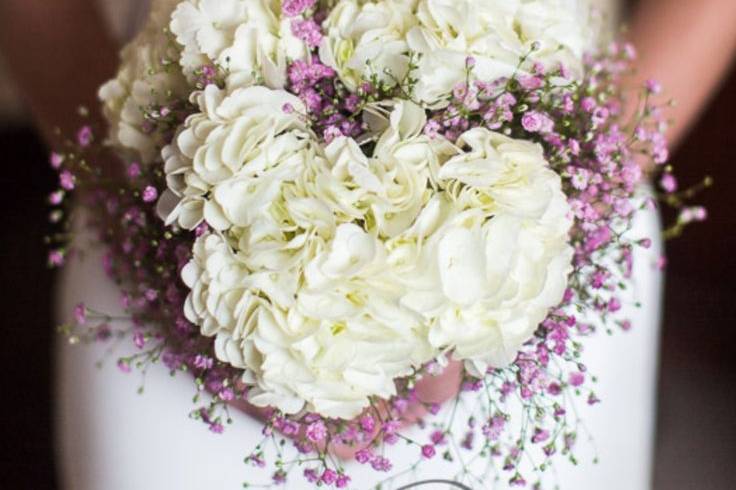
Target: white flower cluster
x=328 y=274
x=327 y=271
x=374 y=38
x=249 y=39
x=246 y=39
x=149 y=77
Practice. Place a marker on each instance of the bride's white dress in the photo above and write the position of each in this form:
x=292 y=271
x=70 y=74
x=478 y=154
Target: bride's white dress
x=111 y=438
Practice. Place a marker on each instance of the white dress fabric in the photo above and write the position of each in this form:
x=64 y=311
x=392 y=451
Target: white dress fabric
x=111 y=438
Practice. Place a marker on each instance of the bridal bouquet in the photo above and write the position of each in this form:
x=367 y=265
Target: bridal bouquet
x=329 y=206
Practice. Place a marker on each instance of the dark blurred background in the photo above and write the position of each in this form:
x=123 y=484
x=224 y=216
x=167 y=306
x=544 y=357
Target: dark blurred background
x=696 y=442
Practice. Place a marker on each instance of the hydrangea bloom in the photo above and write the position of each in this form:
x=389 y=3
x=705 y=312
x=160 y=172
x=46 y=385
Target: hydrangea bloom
x=377 y=39
x=144 y=95
x=380 y=273
x=249 y=39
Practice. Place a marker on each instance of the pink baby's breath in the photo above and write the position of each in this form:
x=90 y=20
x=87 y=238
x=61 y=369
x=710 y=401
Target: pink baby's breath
x=150 y=194
x=292 y=8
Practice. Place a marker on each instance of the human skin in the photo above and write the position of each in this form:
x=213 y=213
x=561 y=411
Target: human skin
x=60 y=52
x=688 y=46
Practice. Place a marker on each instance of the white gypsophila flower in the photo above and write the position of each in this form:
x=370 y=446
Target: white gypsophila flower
x=241 y=142
x=367 y=40
x=498 y=258
x=248 y=39
x=149 y=80
x=497 y=34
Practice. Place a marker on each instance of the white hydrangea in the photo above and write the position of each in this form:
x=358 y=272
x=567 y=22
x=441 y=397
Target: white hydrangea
x=347 y=338
x=149 y=79
x=248 y=39
x=497 y=258
x=365 y=38
x=245 y=143
x=326 y=346
x=497 y=34
x=403 y=163
x=333 y=273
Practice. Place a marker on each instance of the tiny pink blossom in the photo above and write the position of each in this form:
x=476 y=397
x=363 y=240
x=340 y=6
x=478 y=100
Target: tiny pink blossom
x=437 y=437
x=668 y=183
x=653 y=87
x=660 y=154
x=692 y=214
x=84 y=136
x=203 y=362
x=292 y=8
x=432 y=128
x=574 y=146
x=134 y=170
x=531 y=83
x=311 y=475
x=576 y=378
x=124 y=365
x=580 y=178
x=332 y=133
x=363 y=456
x=139 y=339
x=56 y=198
x=316 y=432
x=565 y=72
x=517 y=481
x=342 y=481
x=629 y=51
x=150 y=194
x=56 y=160
x=151 y=295
x=614 y=305
x=554 y=389
x=328 y=477
x=540 y=435
x=588 y=104
x=428 y=451
x=367 y=423
x=307 y=31
x=80 y=314
x=67 y=180
x=537 y=122
x=201 y=229
x=381 y=463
